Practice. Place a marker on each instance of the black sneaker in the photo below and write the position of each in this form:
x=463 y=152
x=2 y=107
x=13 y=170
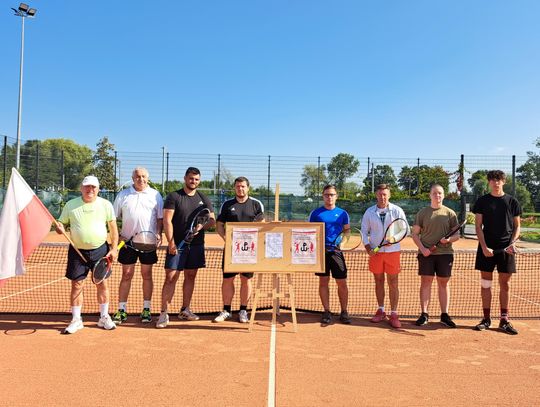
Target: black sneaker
x=424 y=318
x=483 y=325
x=345 y=318
x=507 y=327
x=446 y=320
x=326 y=318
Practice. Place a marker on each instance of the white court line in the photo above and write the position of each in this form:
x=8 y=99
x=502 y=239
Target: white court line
x=30 y=289
x=272 y=368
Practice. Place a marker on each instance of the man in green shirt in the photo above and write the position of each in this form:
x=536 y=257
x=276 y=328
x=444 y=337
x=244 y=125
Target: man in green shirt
x=88 y=218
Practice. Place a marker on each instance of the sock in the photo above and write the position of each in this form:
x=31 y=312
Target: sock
x=227 y=308
x=393 y=312
x=122 y=306
x=382 y=308
x=104 y=309
x=487 y=313
x=504 y=313
x=146 y=304
x=183 y=309
x=76 y=311
x=243 y=307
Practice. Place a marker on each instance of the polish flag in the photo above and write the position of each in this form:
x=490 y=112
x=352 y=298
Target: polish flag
x=24 y=223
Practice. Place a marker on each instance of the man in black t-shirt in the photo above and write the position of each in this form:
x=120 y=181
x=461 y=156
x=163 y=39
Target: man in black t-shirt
x=242 y=208
x=179 y=210
x=497 y=226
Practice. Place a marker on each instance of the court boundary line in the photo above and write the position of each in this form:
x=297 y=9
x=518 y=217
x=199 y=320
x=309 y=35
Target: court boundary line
x=272 y=368
x=31 y=289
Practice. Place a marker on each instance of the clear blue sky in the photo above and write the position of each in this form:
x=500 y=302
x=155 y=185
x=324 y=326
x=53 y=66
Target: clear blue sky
x=372 y=78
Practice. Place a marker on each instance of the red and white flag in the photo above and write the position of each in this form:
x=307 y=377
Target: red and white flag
x=24 y=223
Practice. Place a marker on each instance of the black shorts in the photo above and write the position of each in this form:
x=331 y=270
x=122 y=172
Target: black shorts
x=231 y=275
x=129 y=256
x=439 y=265
x=192 y=257
x=77 y=269
x=506 y=263
x=334 y=262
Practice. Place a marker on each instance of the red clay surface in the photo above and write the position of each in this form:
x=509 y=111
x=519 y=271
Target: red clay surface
x=206 y=364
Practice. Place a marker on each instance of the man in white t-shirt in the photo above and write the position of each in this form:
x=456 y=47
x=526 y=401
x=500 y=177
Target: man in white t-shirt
x=140 y=207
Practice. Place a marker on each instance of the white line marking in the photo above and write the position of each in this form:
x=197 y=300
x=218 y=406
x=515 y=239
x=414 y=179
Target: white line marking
x=272 y=368
x=33 y=288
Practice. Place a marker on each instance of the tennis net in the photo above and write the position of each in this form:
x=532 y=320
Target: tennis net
x=45 y=290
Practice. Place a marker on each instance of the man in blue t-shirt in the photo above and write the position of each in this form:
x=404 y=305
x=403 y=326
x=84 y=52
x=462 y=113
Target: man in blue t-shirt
x=335 y=221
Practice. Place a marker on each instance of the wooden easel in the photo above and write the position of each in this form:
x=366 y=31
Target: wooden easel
x=276 y=293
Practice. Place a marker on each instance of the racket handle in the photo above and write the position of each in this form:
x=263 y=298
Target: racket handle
x=433 y=248
x=376 y=249
x=121 y=244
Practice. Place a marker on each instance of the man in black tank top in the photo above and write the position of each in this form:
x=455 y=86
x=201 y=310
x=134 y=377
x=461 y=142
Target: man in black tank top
x=242 y=208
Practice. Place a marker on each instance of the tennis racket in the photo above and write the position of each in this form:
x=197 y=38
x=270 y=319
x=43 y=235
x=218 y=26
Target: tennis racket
x=510 y=249
x=101 y=270
x=197 y=224
x=143 y=242
x=452 y=231
x=395 y=233
x=346 y=241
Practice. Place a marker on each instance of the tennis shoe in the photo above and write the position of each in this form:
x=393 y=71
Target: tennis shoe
x=188 y=315
x=243 y=316
x=446 y=320
x=394 y=321
x=74 y=326
x=326 y=318
x=345 y=318
x=423 y=319
x=120 y=316
x=506 y=326
x=163 y=320
x=106 y=322
x=222 y=316
x=379 y=316
x=146 y=316
x=484 y=324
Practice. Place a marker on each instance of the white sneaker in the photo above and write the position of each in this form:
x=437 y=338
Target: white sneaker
x=163 y=320
x=243 y=316
x=74 y=326
x=222 y=316
x=106 y=322
x=188 y=315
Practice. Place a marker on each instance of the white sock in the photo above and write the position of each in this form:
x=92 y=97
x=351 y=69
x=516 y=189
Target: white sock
x=147 y=304
x=104 y=309
x=122 y=306
x=76 y=311
x=393 y=312
x=382 y=308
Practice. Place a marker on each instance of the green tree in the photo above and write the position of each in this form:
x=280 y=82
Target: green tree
x=313 y=179
x=103 y=164
x=341 y=167
x=522 y=194
x=77 y=159
x=383 y=174
x=480 y=174
x=420 y=179
x=529 y=174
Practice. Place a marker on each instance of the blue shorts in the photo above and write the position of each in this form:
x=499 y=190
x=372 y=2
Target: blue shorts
x=76 y=268
x=192 y=257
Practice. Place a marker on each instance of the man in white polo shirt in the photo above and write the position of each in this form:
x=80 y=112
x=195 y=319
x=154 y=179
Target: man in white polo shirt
x=141 y=209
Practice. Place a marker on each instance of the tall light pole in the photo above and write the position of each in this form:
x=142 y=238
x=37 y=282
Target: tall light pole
x=24 y=11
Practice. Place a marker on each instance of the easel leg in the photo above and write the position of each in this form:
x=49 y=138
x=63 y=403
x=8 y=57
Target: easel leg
x=292 y=301
x=255 y=301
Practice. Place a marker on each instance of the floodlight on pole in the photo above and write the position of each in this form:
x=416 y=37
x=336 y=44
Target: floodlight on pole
x=24 y=11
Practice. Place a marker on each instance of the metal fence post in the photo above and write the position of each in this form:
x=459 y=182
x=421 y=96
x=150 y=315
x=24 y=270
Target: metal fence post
x=268 y=186
x=461 y=194
x=513 y=175
x=37 y=166
x=5 y=163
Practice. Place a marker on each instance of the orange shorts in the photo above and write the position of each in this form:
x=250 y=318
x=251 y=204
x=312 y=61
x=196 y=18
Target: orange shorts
x=388 y=263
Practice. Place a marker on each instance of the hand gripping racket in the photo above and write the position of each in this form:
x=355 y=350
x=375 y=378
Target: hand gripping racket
x=395 y=233
x=452 y=231
x=347 y=240
x=143 y=242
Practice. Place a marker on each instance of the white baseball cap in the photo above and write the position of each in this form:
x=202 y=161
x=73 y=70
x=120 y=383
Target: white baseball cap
x=90 y=180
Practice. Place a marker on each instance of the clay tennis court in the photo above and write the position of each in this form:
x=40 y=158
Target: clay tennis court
x=205 y=364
